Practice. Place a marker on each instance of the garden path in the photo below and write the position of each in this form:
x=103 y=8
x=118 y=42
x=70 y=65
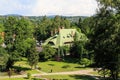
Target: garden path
x=79 y=72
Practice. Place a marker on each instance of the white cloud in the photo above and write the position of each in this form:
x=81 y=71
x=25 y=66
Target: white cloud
x=48 y=7
x=65 y=7
x=13 y=7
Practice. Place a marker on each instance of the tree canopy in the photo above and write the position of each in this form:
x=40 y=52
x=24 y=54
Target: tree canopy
x=105 y=38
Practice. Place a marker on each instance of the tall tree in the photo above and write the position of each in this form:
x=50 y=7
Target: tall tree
x=32 y=54
x=43 y=28
x=111 y=4
x=10 y=25
x=78 y=48
x=105 y=40
x=17 y=30
x=3 y=58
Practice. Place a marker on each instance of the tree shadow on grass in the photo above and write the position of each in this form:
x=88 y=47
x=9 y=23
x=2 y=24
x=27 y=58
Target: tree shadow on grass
x=58 y=79
x=78 y=67
x=51 y=64
x=21 y=68
x=66 y=66
x=82 y=77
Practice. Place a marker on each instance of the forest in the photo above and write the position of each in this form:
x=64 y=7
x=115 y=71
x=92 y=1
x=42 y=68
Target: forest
x=19 y=34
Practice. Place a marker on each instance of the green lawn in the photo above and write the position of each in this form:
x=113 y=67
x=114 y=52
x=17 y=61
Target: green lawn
x=59 y=66
x=48 y=65
x=55 y=66
x=23 y=65
x=3 y=73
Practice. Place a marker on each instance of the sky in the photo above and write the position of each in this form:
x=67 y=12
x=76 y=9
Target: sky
x=48 y=7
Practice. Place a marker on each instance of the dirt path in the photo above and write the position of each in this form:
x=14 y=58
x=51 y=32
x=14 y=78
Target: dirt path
x=80 y=72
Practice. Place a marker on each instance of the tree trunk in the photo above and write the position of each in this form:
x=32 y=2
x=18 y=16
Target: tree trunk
x=113 y=75
x=116 y=75
x=104 y=73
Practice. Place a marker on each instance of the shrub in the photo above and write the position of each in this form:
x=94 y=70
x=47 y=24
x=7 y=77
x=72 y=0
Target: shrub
x=29 y=75
x=85 y=62
x=47 y=53
x=39 y=68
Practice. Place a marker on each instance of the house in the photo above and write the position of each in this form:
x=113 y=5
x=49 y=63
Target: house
x=64 y=37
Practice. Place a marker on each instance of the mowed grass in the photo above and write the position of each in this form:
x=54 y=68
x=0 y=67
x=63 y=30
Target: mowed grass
x=24 y=66
x=69 y=77
x=47 y=66
x=56 y=67
x=3 y=73
x=59 y=66
x=23 y=63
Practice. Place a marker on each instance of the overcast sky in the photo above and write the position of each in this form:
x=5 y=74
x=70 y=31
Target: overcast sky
x=48 y=7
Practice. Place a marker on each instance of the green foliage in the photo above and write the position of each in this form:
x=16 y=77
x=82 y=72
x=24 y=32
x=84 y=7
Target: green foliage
x=1 y=27
x=29 y=75
x=85 y=62
x=16 y=32
x=105 y=39
x=77 y=49
x=65 y=50
x=62 y=51
x=47 y=53
x=32 y=54
x=87 y=26
x=42 y=29
x=57 y=22
x=48 y=27
x=25 y=45
x=20 y=35
x=1 y=30
x=114 y=4
x=33 y=58
x=3 y=58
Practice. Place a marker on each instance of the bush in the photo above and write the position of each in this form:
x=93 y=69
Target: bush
x=47 y=53
x=29 y=75
x=85 y=62
x=39 y=68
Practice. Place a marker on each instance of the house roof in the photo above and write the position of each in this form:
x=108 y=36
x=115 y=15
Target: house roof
x=64 y=37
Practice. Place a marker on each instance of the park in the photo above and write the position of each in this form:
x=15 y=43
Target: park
x=60 y=47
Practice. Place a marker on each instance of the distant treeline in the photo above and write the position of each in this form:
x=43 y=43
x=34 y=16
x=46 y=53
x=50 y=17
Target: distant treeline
x=36 y=18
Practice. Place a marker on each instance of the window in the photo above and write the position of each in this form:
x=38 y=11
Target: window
x=51 y=43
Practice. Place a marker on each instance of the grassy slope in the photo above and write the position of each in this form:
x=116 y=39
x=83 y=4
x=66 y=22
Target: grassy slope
x=48 y=65
x=59 y=66
x=56 y=67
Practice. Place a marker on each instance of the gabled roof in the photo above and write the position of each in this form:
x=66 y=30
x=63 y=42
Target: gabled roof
x=64 y=37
